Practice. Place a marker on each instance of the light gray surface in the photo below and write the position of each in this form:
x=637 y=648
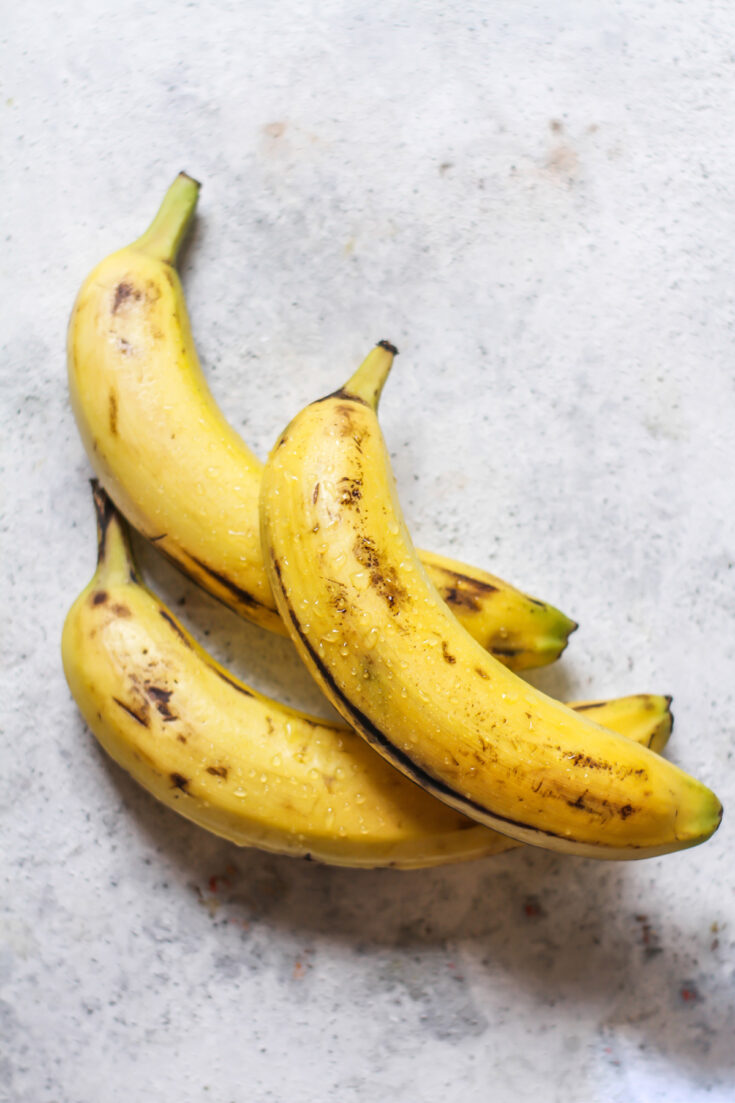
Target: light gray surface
x=536 y=205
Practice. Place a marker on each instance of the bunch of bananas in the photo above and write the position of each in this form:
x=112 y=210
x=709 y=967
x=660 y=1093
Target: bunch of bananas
x=419 y=654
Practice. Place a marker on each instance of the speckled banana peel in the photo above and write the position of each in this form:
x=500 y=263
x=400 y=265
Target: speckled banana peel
x=398 y=667
x=243 y=766
x=184 y=478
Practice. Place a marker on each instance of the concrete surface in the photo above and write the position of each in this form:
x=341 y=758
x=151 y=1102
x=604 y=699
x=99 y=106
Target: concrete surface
x=536 y=204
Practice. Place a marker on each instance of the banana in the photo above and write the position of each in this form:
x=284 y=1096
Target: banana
x=245 y=767
x=398 y=667
x=185 y=479
x=644 y=718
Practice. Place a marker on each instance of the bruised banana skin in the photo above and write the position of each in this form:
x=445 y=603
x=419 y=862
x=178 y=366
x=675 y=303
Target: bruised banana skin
x=185 y=479
x=398 y=667
x=243 y=766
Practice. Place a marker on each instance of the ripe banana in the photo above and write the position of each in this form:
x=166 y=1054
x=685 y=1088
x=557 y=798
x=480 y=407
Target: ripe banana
x=395 y=663
x=185 y=479
x=245 y=767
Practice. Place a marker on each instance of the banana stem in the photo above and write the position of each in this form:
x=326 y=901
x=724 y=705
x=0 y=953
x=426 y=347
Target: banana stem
x=368 y=381
x=164 y=236
x=115 y=559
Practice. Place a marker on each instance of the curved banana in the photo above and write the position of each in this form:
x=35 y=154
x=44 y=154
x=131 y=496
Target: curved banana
x=245 y=767
x=398 y=667
x=185 y=479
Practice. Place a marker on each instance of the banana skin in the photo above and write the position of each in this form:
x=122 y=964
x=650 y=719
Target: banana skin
x=248 y=768
x=395 y=663
x=184 y=478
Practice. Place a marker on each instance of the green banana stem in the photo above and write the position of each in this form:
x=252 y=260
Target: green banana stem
x=368 y=381
x=115 y=559
x=163 y=238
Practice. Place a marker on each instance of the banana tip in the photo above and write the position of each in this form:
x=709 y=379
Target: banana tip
x=186 y=176
x=387 y=345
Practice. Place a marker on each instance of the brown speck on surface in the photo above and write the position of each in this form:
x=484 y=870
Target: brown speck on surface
x=179 y=782
x=481 y=673
x=346 y=427
x=100 y=597
x=384 y=581
x=218 y=771
x=274 y=130
x=466 y=592
x=315 y=495
x=586 y=761
x=626 y=811
x=161 y=698
x=649 y=939
x=121 y=610
x=350 y=491
x=446 y=654
x=123 y=292
x=578 y=803
x=140 y=717
x=112 y=414
x=533 y=909
x=563 y=162
x=218 y=879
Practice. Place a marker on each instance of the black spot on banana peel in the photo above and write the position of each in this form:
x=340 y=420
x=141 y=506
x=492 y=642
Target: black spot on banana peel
x=468 y=731
x=140 y=717
x=145 y=352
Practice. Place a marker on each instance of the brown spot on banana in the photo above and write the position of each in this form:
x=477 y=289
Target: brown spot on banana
x=123 y=292
x=385 y=581
x=161 y=698
x=112 y=414
x=218 y=771
x=140 y=717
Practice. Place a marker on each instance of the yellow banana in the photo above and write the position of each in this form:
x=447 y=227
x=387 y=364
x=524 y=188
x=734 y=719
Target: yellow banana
x=185 y=479
x=395 y=663
x=245 y=767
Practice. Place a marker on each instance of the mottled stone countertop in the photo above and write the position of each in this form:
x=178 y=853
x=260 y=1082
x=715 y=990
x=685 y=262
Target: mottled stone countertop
x=536 y=203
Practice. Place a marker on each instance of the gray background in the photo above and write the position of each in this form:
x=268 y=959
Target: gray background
x=535 y=202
